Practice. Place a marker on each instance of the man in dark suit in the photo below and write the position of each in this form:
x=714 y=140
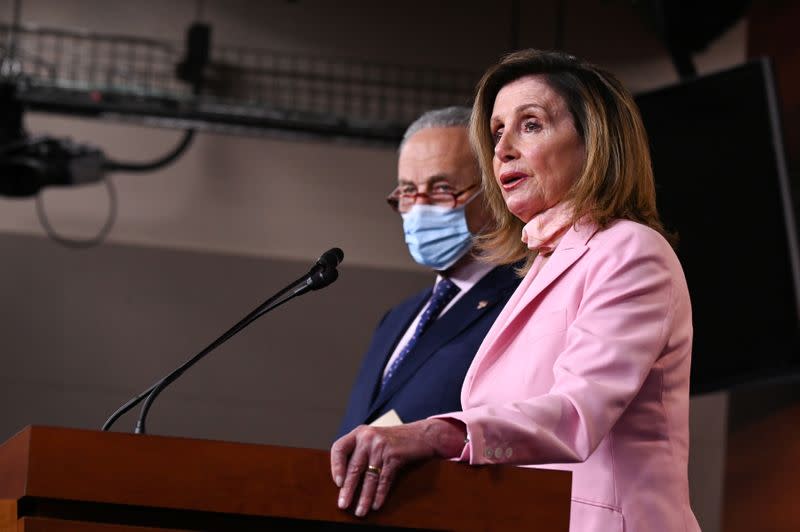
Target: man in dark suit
x=422 y=348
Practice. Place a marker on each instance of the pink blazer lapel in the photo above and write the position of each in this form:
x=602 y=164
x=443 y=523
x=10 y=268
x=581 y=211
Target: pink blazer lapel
x=571 y=248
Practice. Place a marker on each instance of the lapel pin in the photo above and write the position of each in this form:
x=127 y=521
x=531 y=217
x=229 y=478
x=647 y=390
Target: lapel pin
x=482 y=304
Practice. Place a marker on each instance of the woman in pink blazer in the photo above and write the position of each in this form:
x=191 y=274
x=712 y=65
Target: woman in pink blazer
x=587 y=367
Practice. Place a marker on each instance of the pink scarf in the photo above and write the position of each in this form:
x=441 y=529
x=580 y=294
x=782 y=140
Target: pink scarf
x=544 y=231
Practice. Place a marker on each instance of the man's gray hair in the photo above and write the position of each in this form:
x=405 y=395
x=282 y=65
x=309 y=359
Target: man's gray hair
x=455 y=116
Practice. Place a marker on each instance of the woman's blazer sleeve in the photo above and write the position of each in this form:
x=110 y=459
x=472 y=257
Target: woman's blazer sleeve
x=627 y=298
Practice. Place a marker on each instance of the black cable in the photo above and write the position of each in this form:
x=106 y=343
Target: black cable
x=81 y=243
x=108 y=165
x=117 y=166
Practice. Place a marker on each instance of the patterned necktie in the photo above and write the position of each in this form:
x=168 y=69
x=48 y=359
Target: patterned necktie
x=444 y=291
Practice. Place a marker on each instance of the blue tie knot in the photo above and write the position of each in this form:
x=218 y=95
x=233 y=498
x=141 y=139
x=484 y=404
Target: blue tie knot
x=444 y=291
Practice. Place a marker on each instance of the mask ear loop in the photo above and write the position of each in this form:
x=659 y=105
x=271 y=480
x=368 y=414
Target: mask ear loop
x=472 y=250
x=484 y=226
x=478 y=193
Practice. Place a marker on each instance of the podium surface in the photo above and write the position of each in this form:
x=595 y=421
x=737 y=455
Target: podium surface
x=59 y=479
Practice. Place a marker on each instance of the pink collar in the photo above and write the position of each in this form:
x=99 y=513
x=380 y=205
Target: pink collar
x=543 y=232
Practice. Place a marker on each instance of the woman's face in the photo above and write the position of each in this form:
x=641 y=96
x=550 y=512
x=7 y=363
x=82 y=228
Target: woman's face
x=538 y=153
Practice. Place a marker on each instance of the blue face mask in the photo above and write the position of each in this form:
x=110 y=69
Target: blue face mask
x=437 y=236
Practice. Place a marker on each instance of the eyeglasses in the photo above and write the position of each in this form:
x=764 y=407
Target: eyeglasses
x=404 y=197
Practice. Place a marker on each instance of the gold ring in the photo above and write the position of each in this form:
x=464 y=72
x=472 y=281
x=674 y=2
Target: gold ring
x=374 y=470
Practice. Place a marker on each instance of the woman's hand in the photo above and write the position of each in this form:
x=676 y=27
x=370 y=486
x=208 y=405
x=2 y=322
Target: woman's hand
x=371 y=456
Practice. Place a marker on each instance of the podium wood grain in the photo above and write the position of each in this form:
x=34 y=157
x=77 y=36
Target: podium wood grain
x=96 y=481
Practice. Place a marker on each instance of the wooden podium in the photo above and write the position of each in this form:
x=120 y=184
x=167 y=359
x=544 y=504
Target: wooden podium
x=59 y=480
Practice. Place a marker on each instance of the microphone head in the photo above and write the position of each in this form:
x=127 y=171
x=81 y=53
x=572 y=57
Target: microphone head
x=331 y=258
x=324 y=277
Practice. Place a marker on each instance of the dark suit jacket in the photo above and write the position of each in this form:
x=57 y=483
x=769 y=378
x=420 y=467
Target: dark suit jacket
x=429 y=380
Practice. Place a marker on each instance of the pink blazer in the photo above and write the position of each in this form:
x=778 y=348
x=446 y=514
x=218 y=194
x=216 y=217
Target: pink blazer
x=587 y=369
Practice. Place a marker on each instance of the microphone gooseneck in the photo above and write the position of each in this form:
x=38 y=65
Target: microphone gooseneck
x=322 y=274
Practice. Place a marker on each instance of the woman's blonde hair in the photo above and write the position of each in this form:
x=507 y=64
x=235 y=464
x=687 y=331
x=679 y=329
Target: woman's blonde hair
x=617 y=177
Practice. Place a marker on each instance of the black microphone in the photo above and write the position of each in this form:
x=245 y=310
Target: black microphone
x=330 y=259
x=321 y=275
